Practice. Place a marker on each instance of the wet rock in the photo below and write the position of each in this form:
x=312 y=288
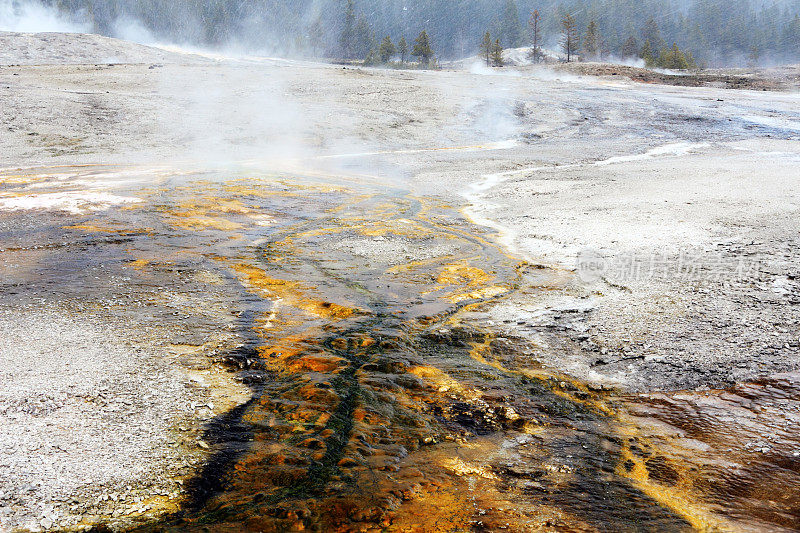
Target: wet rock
x=409 y=381
x=316 y=363
x=522 y=471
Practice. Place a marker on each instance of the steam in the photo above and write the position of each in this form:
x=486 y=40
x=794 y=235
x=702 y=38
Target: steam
x=35 y=17
x=231 y=113
x=479 y=67
x=132 y=30
x=493 y=119
x=627 y=61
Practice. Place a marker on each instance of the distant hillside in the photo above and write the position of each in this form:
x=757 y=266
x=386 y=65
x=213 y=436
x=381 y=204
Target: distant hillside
x=714 y=32
x=78 y=48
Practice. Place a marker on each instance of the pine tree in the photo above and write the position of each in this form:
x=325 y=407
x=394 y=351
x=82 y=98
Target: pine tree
x=754 y=56
x=605 y=51
x=347 y=37
x=316 y=37
x=569 y=36
x=630 y=48
x=497 y=54
x=486 y=48
x=647 y=54
x=423 y=49
x=673 y=58
x=402 y=49
x=791 y=38
x=652 y=33
x=534 y=23
x=363 y=40
x=372 y=58
x=386 y=50
x=591 y=42
x=510 y=28
x=690 y=61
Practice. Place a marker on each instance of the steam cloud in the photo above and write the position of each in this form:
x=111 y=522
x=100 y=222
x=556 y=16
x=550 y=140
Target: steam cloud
x=33 y=17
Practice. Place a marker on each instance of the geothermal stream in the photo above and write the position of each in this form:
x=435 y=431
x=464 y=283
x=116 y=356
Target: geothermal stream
x=366 y=400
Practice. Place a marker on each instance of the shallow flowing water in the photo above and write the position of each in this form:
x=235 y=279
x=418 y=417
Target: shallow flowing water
x=373 y=405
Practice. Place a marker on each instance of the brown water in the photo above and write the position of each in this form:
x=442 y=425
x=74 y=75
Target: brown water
x=373 y=406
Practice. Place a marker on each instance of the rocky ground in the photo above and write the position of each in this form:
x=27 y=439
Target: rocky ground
x=657 y=226
x=784 y=78
x=92 y=420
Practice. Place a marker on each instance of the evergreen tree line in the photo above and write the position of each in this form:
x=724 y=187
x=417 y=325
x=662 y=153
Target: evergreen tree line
x=357 y=40
x=716 y=32
x=592 y=46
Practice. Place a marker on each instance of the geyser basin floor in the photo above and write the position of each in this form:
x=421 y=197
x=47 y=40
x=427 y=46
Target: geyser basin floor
x=352 y=351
